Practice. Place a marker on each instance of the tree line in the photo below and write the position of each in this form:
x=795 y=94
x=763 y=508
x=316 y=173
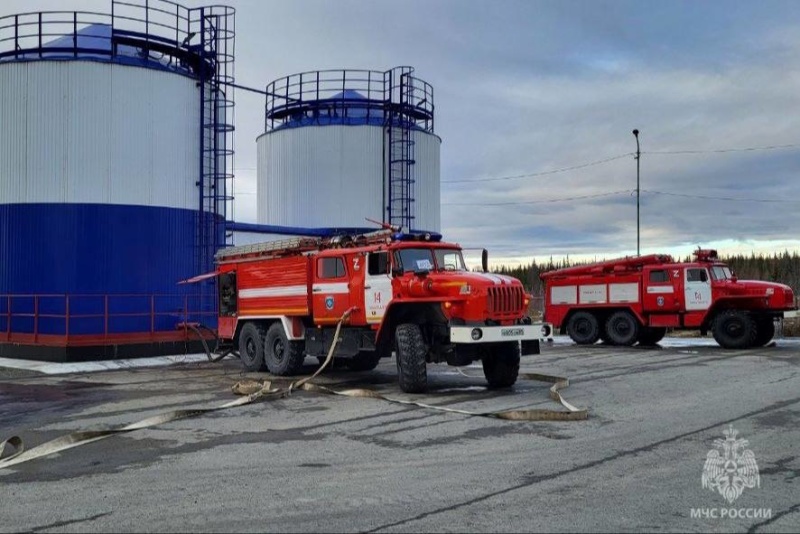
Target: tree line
x=778 y=267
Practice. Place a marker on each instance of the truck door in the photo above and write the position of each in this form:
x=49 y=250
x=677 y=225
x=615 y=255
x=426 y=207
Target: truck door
x=661 y=289
x=377 y=286
x=330 y=290
x=697 y=289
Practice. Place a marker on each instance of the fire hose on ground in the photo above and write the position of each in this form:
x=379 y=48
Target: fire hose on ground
x=253 y=391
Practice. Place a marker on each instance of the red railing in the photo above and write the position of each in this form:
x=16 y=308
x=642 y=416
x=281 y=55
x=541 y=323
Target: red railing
x=61 y=320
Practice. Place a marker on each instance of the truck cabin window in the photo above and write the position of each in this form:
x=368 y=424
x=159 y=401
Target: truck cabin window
x=696 y=275
x=720 y=272
x=449 y=260
x=659 y=276
x=378 y=263
x=330 y=268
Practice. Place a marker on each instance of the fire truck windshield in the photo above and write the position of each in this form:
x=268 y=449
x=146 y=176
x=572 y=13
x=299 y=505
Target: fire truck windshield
x=426 y=259
x=720 y=272
x=449 y=260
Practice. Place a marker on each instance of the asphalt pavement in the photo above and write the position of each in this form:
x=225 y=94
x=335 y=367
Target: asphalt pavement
x=319 y=463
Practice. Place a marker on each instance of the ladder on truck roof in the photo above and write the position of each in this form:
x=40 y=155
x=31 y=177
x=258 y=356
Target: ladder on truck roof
x=619 y=265
x=299 y=245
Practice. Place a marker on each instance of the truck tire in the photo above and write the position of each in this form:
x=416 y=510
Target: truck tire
x=650 y=335
x=282 y=357
x=735 y=329
x=583 y=328
x=412 y=373
x=765 y=331
x=622 y=328
x=501 y=364
x=251 y=347
x=365 y=360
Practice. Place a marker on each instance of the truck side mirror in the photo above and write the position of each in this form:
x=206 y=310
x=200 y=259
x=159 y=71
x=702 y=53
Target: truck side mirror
x=485 y=260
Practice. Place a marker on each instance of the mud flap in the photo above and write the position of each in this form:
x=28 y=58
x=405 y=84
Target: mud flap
x=530 y=347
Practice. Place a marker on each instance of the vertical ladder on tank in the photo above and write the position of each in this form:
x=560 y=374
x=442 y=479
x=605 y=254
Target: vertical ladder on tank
x=400 y=153
x=216 y=138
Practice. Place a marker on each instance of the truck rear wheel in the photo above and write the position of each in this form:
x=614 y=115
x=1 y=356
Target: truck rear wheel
x=622 y=328
x=735 y=329
x=766 y=331
x=501 y=365
x=650 y=335
x=283 y=357
x=251 y=347
x=583 y=328
x=412 y=373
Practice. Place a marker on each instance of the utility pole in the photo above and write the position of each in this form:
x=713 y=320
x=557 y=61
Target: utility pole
x=638 y=157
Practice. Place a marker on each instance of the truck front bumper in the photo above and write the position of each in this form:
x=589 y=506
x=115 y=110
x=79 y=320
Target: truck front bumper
x=495 y=334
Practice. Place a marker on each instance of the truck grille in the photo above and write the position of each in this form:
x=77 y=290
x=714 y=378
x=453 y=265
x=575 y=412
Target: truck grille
x=505 y=300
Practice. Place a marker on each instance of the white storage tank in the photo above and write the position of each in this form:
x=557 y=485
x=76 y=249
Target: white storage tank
x=343 y=146
x=114 y=169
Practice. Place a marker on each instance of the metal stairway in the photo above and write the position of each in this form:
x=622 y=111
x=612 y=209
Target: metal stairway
x=400 y=148
x=214 y=26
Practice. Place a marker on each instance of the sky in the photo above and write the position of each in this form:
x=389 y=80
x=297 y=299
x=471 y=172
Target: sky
x=535 y=105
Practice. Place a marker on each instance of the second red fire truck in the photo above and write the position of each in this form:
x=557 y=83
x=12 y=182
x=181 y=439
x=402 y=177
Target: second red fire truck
x=410 y=293
x=636 y=299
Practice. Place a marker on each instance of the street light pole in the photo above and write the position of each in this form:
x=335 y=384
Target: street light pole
x=638 y=157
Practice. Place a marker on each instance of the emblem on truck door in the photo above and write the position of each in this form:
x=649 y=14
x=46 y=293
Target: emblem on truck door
x=328 y=302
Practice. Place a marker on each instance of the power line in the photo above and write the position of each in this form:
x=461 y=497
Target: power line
x=626 y=191
x=607 y=160
x=723 y=150
x=730 y=199
x=543 y=173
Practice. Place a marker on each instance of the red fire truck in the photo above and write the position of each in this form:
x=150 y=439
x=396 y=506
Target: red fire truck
x=410 y=292
x=635 y=299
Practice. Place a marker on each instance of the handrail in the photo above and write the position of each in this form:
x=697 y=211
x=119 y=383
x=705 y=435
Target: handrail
x=65 y=315
x=58 y=34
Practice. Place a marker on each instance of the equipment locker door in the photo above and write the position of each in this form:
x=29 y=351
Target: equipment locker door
x=331 y=289
x=377 y=286
x=697 y=289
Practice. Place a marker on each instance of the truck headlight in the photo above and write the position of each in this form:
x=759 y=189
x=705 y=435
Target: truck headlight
x=477 y=333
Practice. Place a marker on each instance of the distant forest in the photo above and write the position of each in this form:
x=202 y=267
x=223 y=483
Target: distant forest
x=779 y=267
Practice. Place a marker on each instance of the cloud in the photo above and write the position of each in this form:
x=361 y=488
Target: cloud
x=529 y=86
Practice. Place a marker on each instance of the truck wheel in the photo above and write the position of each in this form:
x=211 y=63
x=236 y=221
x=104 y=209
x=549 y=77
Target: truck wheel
x=412 y=373
x=501 y=364
x=622 y=328
x=283 y=357
x=365 y=360
x=650 y=335
x=765 y=331
x=583 y=328
x=735 y=329
x=251 y=347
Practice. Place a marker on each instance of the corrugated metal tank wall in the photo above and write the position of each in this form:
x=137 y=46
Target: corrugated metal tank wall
x=98 y=164
x=333 y=175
